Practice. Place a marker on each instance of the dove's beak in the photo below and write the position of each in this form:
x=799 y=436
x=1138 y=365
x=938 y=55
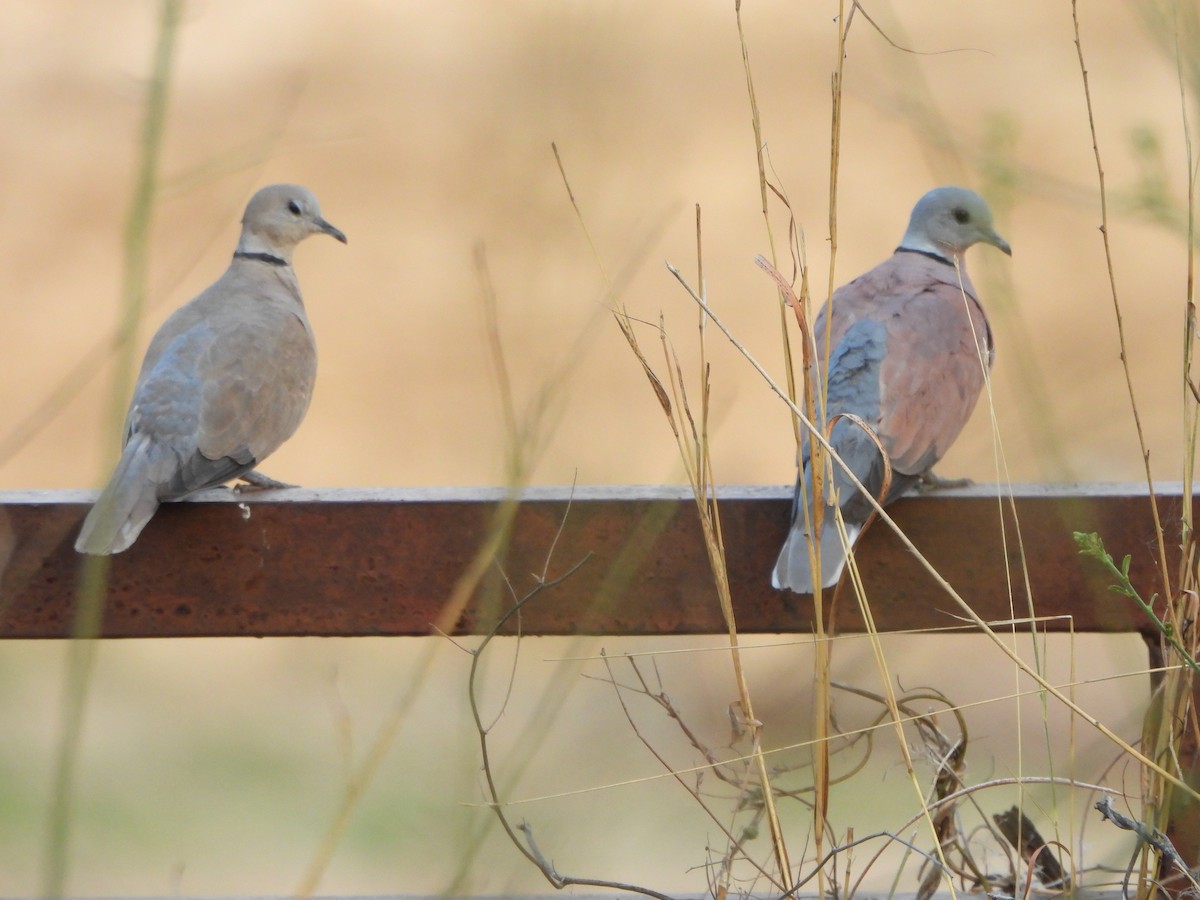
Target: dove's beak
x=333 y=232
x=998 y=242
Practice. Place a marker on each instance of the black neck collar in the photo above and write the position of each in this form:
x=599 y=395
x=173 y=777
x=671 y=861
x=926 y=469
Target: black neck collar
x=269 y=258
x=929 y=253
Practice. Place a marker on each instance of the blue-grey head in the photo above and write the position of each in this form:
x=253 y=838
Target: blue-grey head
x=948 y=220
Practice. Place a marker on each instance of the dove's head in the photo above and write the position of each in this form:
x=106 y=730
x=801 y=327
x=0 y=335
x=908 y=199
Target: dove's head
x=279 y=217
x=948 y=220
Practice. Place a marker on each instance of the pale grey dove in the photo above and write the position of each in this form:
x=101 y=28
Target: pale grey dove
x=909 y=342
x=225 y=381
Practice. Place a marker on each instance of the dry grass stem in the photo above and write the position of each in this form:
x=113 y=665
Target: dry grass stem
x=525 y=841
x=693 y=447
x=1112 y=282
x=759 y=155
x=723 y=771
x=692 y=441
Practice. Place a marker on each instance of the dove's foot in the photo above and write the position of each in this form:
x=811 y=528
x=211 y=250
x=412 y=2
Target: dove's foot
x=930 y=483
x=255 y=480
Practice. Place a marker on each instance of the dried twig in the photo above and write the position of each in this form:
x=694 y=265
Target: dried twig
x=664 y=701
x=1146 y=835
x=525 y=842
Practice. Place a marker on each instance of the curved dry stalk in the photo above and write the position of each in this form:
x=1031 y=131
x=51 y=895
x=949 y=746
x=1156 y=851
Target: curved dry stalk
x=1176 y=692
x=734 y=842
x=528 y=845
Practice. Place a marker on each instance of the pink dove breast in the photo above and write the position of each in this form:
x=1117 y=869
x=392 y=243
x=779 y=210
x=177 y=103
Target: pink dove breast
x=910 y=347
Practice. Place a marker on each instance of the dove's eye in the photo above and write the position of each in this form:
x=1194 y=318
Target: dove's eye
x=294 y=208
x=961 y=216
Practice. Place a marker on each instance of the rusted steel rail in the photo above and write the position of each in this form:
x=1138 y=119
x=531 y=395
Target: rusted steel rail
x=382 y=562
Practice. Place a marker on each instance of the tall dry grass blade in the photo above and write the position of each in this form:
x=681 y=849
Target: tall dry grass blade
x=1191 y=391
x=1006 y=503
x=1175 y=692
x=1185 y=723
x=893 y=706
x=526 y=434
x=81 y=653
x=759 y=155
x=620 y=314
x=692 y=444
x=1112 y=283
x=498 y=535
x=823 y=701
x=813 y=401
x=694 y=451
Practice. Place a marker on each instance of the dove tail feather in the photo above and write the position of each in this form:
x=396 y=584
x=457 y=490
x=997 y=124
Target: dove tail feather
x=127 y=503
x=793 y=572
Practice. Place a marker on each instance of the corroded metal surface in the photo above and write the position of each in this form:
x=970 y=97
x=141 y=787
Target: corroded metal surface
x=383 y=562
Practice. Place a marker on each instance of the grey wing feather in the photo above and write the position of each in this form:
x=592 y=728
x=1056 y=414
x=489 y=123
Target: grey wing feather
x=129 y=500
x=853 y=387
x=168 y=409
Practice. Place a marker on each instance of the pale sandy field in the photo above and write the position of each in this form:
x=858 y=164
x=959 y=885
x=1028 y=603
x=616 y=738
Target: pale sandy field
x=425 y=129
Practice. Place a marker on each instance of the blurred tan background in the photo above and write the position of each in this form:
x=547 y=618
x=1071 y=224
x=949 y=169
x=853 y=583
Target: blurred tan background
x=425 y=130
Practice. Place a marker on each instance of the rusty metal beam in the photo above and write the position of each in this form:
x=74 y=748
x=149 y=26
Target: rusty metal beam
x=382 y=562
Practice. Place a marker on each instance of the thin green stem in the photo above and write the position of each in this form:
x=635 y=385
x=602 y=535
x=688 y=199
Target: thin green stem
x=1091 y=546
x=94 y=578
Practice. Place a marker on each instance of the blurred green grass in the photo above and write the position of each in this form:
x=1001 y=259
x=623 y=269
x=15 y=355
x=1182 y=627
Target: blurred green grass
x=212 y=767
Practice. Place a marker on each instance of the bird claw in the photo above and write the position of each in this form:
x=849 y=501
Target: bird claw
x=255 y=480
x=930 y=483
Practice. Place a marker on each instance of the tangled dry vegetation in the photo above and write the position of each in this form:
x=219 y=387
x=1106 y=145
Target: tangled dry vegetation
x=740 y=791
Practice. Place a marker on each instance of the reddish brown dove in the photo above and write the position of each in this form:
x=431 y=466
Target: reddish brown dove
x=225 y=381
x=909 y=342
